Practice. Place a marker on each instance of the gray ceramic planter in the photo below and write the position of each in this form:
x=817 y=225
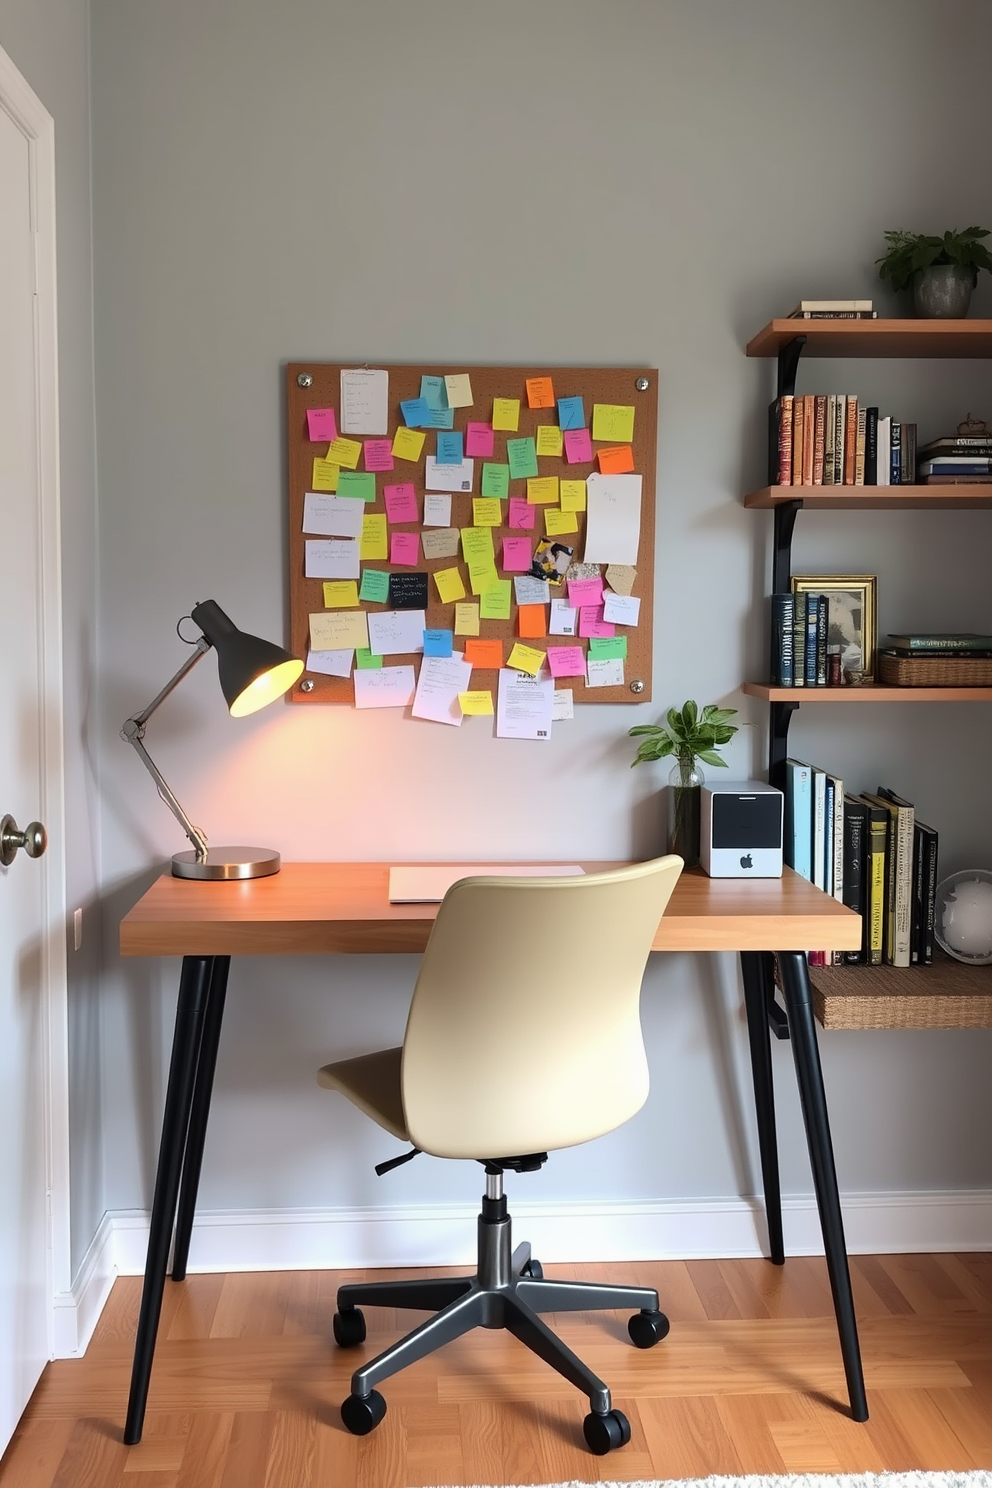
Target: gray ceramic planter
x=943 y=292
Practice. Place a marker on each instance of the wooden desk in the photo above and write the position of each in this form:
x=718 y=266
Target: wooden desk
x=343 y=908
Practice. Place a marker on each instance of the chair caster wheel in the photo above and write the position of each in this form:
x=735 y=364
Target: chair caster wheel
x=362 y=1413
x=533 y=1269
x=647 y=1328
x=604 y=1433
x=349 y=1328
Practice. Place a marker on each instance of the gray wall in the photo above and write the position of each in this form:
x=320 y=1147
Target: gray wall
x=48 y=41
x=559 y=183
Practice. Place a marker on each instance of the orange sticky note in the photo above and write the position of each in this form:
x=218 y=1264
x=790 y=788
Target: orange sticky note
x=485 y=654
x=617 y=460
x=540 y=392
x=532 y=620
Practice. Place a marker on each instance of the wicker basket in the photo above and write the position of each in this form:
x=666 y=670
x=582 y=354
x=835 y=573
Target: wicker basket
x=934 y=671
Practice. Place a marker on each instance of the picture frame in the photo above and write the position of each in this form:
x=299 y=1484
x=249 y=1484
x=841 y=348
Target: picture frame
x=852 y=618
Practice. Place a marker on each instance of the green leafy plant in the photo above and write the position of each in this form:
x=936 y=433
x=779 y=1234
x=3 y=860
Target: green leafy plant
x=909 y=253
x=688 y=735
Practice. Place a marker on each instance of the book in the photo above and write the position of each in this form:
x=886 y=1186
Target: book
x=871 y=445
x=950 y=651
x=956 y=465
x=819 y=424
x=780 y=439
x=798 y=838
x=819 y=827
x=828 y=452
x=928 y=853
x=902 y=875
x=907 y=475
x=822 y=628
x=958 y=444
x=840 y=429
x=835 y=855
x=895 y=454
x=809 y=419
x=850 y=440
x=809 y=652
x=797 y=441
x=927 y=642
x=855 y=882
x=834 y=315
x=783 y=606
x=859 y=448
x=954 y=480
x=883 y=437
x=877 y=820
x=799 y=640
x=812 y=306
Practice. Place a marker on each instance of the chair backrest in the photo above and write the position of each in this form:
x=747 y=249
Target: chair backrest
x=524 y=1033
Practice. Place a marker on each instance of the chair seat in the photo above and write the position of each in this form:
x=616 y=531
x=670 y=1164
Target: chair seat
x=372 y=1083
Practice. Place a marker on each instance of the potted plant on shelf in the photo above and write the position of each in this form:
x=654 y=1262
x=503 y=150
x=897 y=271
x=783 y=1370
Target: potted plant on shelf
x=691 y=736
x=942 y=271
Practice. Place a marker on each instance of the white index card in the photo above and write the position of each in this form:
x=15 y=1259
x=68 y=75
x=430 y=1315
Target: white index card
x=606 y=671
x=437 y=511
x=442 y=678
x=331 y=663
x=387 y=687
x=613 y=518
x=396 y=632
x=564 y=620
x=337 y=558
x=620 y=609
x=449 y=477
x=332 y=516
x=563 y=707
x=364 y=401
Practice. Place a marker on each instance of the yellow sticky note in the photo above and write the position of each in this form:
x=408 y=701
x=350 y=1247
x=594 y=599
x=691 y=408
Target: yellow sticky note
x=458 y=388
x=573 y=495
x=340 y=594
x=542 y=489
x=345 y=452
x=613 y=423
x=375 y=541
x=449 y=585
x=557 y=521
x=466 y=619
x=482 y=576
x=477 y=545
x=339 y=630
x=325 y=475
x=486 y=511
x=506 y=414
x=495 y=601
x=526 y=659
x=408 y=444
x=548 y=439
x=475 y=704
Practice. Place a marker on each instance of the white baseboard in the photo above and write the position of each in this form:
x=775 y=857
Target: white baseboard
x=444 y=1235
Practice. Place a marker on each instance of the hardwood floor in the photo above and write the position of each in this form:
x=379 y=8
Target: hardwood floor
x=247 y=1384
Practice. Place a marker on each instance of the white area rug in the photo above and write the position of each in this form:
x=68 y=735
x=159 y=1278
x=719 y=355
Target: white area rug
x=979 y=1479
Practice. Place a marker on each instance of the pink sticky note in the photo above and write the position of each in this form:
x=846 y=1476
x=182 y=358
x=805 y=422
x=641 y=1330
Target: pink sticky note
x=567 y=661
x=378 y=454
x=522 y=514
x=578 y=446
x=401 y=501
x=591 y=622
x=321 y=424
x=584 y=592
x=404 y=548
x=479 y=440
x=517 y=554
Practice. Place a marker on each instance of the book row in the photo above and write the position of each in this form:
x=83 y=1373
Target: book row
x=802 y=654
x=871 y=852
x=830 y=439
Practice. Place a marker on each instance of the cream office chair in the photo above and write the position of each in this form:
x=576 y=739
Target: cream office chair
x=523 y=1036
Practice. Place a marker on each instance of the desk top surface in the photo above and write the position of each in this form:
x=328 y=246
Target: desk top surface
x=344 y=909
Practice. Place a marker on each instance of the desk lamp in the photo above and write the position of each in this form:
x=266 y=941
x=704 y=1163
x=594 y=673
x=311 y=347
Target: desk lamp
x=252 y=673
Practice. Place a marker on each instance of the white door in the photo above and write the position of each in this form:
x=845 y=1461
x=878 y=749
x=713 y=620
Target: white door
x=31 y=899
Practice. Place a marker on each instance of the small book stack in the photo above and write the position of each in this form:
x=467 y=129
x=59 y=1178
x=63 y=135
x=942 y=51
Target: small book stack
x=833 y=310
x=830 y=439
x=937 y=659
x=958 y=459
x=800 y=656
x=872 y=853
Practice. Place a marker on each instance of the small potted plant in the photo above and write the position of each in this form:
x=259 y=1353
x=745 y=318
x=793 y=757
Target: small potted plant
x=942 y=271
x=691 y=736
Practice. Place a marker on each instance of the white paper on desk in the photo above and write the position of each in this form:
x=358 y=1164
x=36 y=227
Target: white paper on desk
x=449 y=477
x=620 y=609
x=332 y=516
x=331 y=663
x=364 y=401
x=524 y=706
x=564 y=706
x=437 y=511
x=389 y=687
x=332 y=558
x=396 y=632
x=564 y=620
x=441 y=679
x=613 y=518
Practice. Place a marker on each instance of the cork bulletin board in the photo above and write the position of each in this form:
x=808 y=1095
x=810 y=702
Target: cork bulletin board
x=530 y=438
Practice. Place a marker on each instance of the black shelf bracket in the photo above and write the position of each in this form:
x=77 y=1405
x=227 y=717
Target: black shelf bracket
x=788 y=365
x=785 y=521
x=780 y=716
x=778 y=1018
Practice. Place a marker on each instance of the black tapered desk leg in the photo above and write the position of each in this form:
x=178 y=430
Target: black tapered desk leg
x=755 y=966
x=200 y=1110
x=194 y=984
x=809 y=1077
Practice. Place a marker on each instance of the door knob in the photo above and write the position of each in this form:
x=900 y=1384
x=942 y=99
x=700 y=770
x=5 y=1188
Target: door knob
x=34 y=840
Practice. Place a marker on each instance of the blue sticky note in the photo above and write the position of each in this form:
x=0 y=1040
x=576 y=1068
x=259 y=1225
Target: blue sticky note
x=438 y=642
x=440 y=418
x=416 y=413
x=450 y=448
x=375 y=586
x=571 y=414
x=433 y=392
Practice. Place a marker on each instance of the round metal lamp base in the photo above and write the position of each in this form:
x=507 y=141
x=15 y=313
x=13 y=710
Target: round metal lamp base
x=227 y=862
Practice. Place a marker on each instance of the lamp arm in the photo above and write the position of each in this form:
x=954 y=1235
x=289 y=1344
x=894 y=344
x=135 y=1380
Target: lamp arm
x=133 y=733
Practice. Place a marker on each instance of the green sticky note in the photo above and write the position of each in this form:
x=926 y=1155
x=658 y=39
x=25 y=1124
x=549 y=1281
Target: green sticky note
x=375 y=586
x=357 y=484
x=522 y=455
x=608 y=648
x=366 y=662
x=495 y=480
x=494 y=603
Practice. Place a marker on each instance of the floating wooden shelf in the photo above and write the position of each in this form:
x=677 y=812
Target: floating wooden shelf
x=876 y=693
x=948 y=994
x=970 y=497
x=877 y=338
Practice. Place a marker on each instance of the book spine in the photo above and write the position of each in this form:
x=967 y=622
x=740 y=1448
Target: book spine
x=883 y=437
x=930 y=881
x=822 y=626
x=903 y=884
x=781 y=651
x=799 y=640
x=798 y=818
x=835 y=958
x=924 y=644
x=834 y=315
x=812 y=611
x=819 y=424
x=859 y=449
x=895 y=454
x=889 y=927
x=797 y=441
x=854 y=879
x=875 y=894
x=828 y=439
x=840 y=426
x=783 y=438
x=850 y=439
x=908 y=474
x=819 y=826
x=916 y=923
x=871 y=445
x=809 y=417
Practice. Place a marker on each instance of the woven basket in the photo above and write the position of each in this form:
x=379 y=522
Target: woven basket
x=934 y=671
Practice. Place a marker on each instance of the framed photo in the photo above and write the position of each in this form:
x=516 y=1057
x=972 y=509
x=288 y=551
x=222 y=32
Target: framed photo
x=851 y=617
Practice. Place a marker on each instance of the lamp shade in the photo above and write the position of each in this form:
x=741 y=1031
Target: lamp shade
x=252 y=672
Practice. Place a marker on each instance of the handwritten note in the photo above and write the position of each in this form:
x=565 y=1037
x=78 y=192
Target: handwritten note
x=396 y=632
x=612 y=423
x=331 y=558
x=416 y=413
x=365 y=661
x=375 y=586
x=573 y=495
x=563 y=707
x=506 y=414
x=389 y=687
x=477 y=545
x=458 y=388
x=338 y=629
x=591 y=622
x=321 y=424
x=356 y=485
x=613 y=518
x=522 y=514
x=449 y=586
x=476 y=704
x=621 y=609
x=408 y=591
x=517 y=552
x=401 y=502
x=450 y=448
x=557 y=521
x=408 y=444
x=482 y=575
x=364 y=400
x=522 y=455
x=608 y=647
x=375 y=542
x=324 y=475
x=486 y=655
x=566 y=661
x=466 y=618
x=439 y=542
x=494 y=603
x=549 y=440
x=604 y=673
x=616 y=460
x=331 y=516
x=438 y=642
x=585 y=591
x=449 y=477
x=433 y=392
x=331 y=663
x=378 y=454
x=487 y=511
x=340 y=594
x=345 y=452
x=620 y=577
x=437 y=511
x=404 y=549
x=479 y=441
x=526 y=659
x=571 y=414
x=540 y=392
x=578 y=446
x=542 y=490
x=496 y=480
x=441 y=680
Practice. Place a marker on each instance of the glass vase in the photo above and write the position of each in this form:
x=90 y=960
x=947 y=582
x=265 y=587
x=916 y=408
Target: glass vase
x=683 y=810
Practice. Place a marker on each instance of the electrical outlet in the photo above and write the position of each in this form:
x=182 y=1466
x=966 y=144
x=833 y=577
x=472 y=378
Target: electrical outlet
x=77 y=929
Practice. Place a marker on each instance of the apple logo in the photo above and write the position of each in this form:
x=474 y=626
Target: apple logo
x=746 y=861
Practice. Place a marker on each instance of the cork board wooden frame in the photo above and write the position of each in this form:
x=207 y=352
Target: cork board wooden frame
x=312 y=385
